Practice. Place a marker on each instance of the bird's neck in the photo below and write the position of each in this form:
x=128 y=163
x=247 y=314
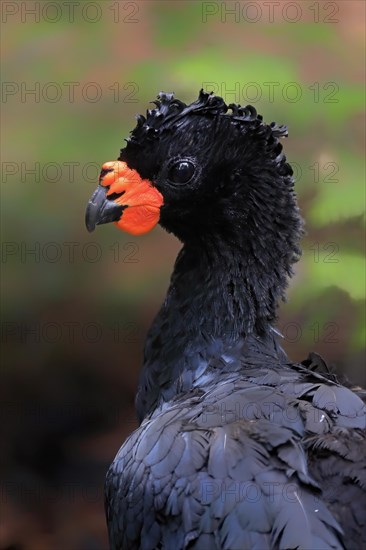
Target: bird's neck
x=216 y=299
x=211 y=292
x=222 y=290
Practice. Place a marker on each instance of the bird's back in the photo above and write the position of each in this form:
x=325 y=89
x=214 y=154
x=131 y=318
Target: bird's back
x=263 y=456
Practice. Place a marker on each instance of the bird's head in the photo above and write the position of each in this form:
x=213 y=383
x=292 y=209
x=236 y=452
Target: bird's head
x=208 y=172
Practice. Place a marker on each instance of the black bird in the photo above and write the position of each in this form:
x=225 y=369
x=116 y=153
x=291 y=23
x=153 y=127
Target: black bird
x=238 y=447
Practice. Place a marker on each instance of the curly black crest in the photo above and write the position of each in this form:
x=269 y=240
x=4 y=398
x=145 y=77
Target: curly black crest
x=170 y=111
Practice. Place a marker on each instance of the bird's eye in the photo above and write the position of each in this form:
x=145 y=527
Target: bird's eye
x=181 y=172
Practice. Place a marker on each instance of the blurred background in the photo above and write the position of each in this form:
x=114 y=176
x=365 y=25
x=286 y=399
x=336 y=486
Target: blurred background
x=75 y=306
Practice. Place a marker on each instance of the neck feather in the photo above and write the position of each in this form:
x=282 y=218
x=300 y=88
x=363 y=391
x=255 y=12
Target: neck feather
x=217 y=300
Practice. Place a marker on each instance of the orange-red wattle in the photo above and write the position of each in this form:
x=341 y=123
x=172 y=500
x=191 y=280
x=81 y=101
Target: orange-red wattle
x=143 y=201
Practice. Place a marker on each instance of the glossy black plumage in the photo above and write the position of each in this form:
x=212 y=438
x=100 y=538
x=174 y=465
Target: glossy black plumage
x=238 y=447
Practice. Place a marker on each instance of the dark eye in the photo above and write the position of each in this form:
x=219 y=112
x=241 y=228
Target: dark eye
x=181 y=172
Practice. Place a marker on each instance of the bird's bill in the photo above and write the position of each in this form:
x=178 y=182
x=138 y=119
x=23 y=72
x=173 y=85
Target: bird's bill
x=124 y=198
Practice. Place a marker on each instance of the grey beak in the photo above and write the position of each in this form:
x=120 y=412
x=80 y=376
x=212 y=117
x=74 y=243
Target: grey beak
x=101 y=209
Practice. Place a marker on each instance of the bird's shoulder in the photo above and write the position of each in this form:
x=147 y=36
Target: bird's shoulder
x=239 y=461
